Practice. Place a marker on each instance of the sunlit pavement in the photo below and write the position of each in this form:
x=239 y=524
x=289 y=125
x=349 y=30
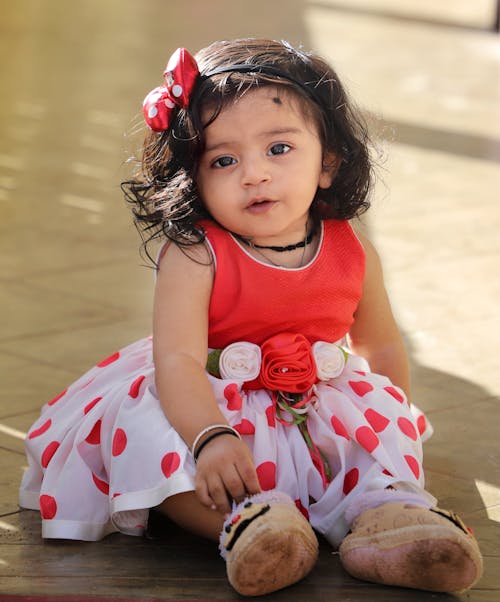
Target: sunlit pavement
x=73 y=287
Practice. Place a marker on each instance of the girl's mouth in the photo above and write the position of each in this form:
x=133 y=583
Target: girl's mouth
x=259 y=205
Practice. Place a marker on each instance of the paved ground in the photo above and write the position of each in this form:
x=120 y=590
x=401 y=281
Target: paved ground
x=72 y=287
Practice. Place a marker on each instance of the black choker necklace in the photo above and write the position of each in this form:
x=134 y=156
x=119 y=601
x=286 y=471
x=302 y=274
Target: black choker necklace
x=298 y=245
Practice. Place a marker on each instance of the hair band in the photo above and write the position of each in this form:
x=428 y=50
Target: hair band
x=180 y=77
x=264 y=70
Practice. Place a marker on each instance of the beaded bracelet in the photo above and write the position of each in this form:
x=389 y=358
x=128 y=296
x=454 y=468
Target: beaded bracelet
x=209 y=438
x=225 y=428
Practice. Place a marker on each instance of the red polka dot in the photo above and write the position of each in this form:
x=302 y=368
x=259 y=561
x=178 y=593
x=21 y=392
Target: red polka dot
x=302 y=509
x=40 y=430
x=367 y=438
x=109 y=360
x=406 y=427
x=351 y=480
x=395 y=393
x=233 y=397
x=360 y=372
x=57 y=398
x=170 y=463
x=48 y=452
x=135 y=386
x=360 y=387
x=100 y=484
x=245 y=427
x=421 y=424
x=119 y=442
x=48 y=506
x=271 y=416
x=91 y=404
x=376 y=420
x=266 y=473
x=414 y=465
x=339 y=427
x=389 y=474
x=94 y=437
x=116 y=494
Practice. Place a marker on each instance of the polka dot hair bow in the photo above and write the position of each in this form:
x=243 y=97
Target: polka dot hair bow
x=180 y=76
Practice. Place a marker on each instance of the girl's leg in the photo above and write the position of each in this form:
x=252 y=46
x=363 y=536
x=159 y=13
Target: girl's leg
x=185 y=510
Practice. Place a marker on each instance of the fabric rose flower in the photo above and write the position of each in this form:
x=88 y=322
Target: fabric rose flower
x=240 y=361
x=330 y=359
x=287 y=363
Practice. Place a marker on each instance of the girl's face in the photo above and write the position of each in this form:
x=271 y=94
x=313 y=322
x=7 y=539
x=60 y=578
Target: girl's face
x=262 y=166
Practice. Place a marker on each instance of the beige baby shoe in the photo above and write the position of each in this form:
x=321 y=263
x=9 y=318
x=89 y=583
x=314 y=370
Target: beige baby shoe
x=267 y=544
x=410 y=546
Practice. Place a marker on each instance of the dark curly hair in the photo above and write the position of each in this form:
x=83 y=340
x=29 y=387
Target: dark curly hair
x=163 y=194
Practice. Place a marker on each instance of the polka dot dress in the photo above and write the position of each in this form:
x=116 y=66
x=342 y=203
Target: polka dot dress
x=102 y=452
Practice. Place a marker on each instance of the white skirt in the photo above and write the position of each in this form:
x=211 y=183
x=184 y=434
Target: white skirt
x=103 y=453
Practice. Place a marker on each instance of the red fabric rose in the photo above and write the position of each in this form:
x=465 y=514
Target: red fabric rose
x=287 y=363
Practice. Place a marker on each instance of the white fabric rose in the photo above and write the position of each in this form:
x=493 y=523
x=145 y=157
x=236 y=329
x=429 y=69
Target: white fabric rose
x=240 y=361
x=330 y=359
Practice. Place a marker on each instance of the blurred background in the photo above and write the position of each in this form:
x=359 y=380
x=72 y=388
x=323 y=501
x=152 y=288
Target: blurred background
x=73 y=287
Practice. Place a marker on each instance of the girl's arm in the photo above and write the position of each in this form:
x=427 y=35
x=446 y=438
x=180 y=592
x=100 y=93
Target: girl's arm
x=225 y=468
x=375 y=334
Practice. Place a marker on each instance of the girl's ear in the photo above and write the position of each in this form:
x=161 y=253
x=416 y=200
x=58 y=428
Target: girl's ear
x=329 y=170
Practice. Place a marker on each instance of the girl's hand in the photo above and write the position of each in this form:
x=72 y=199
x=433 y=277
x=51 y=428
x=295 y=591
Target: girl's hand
x=225 y=472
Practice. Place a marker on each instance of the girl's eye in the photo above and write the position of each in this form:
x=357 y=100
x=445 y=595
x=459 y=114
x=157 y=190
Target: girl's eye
x=223 y=162
x=279 y=149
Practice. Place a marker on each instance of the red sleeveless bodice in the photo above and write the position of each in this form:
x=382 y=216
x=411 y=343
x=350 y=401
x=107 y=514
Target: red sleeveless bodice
x=251 y=300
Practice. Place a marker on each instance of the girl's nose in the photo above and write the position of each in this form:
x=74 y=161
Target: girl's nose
x=255 y=171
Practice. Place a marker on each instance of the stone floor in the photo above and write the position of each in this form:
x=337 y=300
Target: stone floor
x=73 y=288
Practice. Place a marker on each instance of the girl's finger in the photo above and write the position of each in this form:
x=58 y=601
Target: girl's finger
x=249 y=477
x=218 y=494
x=202 y=493
x=234 y=484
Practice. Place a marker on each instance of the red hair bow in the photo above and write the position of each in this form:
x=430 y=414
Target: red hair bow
x=180 y=76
